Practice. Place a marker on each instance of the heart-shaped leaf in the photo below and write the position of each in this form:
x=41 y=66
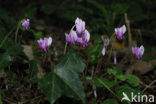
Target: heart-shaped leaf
x=64 y=80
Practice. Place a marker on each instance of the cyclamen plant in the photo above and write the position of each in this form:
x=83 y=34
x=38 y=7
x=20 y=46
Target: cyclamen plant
x=81 y=35
x=137 y=51
x=26 y=23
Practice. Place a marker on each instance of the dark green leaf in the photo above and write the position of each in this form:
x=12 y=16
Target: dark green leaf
x=133 y=80
x=12 y=77
x=127 y=90
x=115 y=71
x=94 y=53
x=99 y=82
x=5 y=60
x=64 y=80
x=14 y=49
x=33 y=71
x=110 y=101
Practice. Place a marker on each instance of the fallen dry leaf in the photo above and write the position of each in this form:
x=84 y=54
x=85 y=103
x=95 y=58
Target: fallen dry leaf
x=140 y=66
x=29 y=53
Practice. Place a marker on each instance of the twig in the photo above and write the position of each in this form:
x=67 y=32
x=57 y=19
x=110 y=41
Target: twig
x=129 y=30
x=148 y=86
x=32 y=100
x=92 y=73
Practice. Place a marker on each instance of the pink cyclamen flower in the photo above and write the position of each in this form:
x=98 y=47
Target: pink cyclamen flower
x=120 y=32
x=72 y=37
x=115 y=60
x=105 y=40
x=26 y=23
x=103 y=50
x=86 y=36
x=138 y=51
x=84 y=39
x=95 y=94
x=45 y=43
x=80 y=26
x=105 y=44
x=80 y=35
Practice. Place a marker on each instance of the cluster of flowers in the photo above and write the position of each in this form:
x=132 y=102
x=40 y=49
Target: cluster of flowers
x=137 y=51
x=82 y=36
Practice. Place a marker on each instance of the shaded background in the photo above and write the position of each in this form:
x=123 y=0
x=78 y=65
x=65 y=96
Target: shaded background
x=101 y=16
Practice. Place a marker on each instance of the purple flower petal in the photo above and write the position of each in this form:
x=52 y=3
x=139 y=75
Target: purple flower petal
x=105 y=40
x=138 y=51
x=86 y=36
x=79 y=40
x=45 y=43
x=80 y=26
x=103 y=50
x=26 y=23
x=49 y=41
x=72 y=37
x=115 y=60
x=67 y=37
x=120 y=31
x=141 y=50
x=84 y=44
x=95 y=94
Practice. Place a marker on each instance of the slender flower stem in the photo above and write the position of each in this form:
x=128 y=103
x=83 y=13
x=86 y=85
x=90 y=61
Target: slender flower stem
x=65 y=48
x=17 y=29
x=72 y=28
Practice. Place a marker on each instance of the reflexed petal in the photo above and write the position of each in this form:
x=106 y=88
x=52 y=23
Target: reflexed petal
x=141 y=50
x=134 y=50
x=115 y=60
x=123 y=29
x=67 y=37
x=49 y=41
x=73 y=36
x=45 y=43
x=95 y=94
x=138 y=52
x=80 y=26
x=86 y=35
x=103 y=51
x=26 y=23
x=105 y=40
x=120 y=31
